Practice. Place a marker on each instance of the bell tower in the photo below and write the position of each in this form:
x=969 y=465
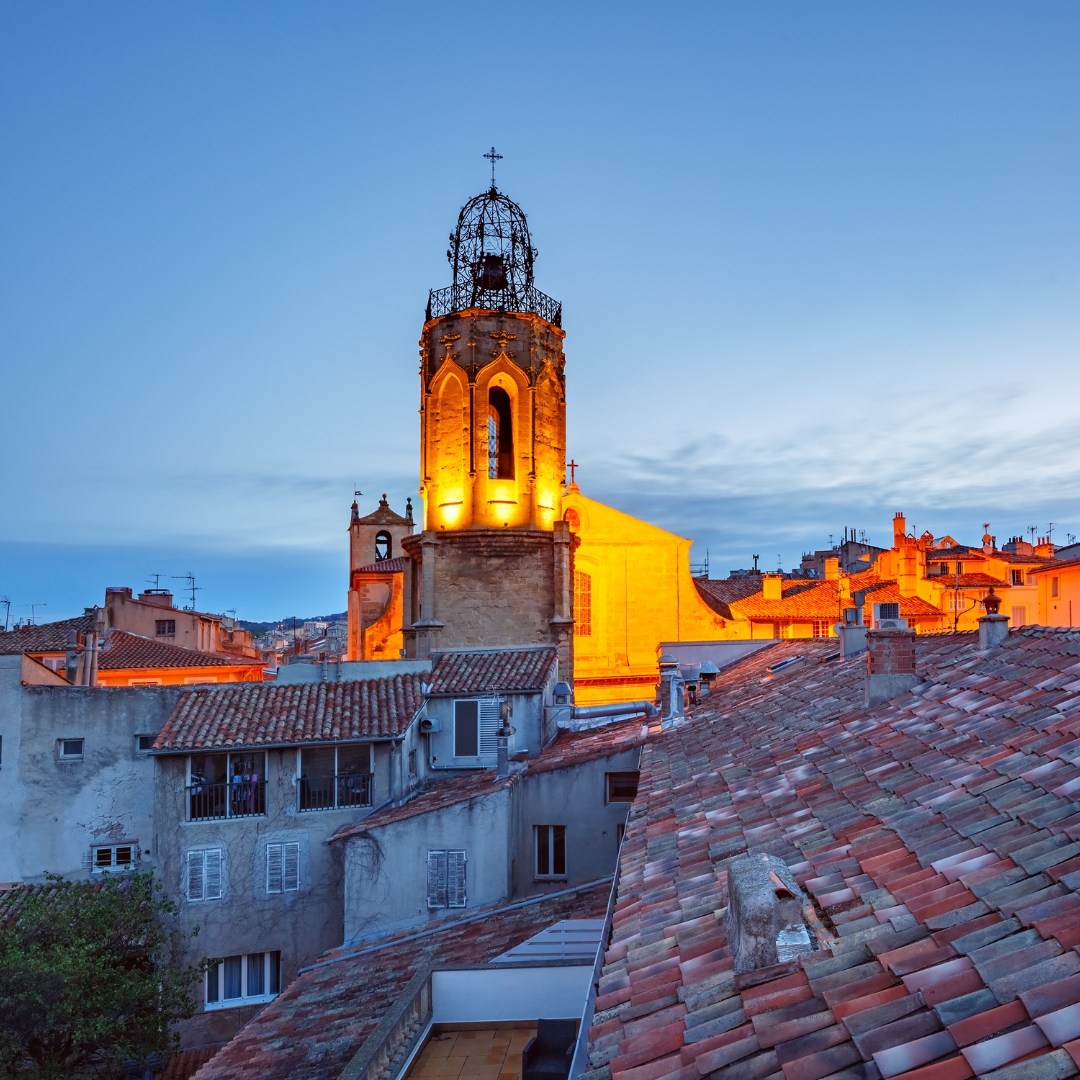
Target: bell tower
x=492 y=565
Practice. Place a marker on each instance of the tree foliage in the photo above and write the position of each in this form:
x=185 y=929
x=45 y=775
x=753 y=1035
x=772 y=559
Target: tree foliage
x=91 y=978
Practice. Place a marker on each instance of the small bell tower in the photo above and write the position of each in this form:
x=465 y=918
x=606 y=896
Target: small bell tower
x=492 y=562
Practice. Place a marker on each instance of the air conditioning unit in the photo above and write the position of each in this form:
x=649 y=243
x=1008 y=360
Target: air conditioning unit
x=887 y=617
x=430 y=724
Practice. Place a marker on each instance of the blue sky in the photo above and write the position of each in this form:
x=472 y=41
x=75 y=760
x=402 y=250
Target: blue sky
x=818 y=262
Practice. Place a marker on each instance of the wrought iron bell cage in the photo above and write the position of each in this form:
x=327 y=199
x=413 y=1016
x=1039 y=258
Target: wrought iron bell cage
x=492 y=257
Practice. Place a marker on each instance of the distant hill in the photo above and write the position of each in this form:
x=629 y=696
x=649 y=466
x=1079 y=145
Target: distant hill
x=263 y=627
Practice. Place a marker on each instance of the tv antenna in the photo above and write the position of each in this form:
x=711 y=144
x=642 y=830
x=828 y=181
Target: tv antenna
x=1050 y=531
x=191 y=587
x=33 y=612
x=6 y=601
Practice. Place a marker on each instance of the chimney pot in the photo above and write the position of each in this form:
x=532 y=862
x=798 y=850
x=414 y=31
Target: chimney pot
x=890 y=665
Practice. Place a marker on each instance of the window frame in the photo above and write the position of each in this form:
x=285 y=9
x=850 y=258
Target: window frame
x=1016 y=577
x=337 y=774
x=271 y=978
x=203 y=854
x=446 y=870
x=97 y=868
x=140 y=749
x=581 y=603
x=62 y=752
x=169 y=628
x=547 y=841
x=229 y=755
x=610 y=780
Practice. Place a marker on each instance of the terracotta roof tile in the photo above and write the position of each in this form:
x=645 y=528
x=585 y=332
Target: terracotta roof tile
x=505 y=670
x=265 y=714
x=385 y=566
x=122 y=651
x=46 y=638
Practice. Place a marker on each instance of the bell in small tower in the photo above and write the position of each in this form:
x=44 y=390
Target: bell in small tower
x=491 y=273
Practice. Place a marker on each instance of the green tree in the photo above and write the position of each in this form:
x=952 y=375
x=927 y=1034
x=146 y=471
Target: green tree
x=91 y=978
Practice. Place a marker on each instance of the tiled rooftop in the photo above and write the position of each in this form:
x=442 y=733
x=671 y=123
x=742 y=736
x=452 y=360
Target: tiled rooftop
x=385 y=566
x=319 y=1022
x=264 y=714
x=506 y=670
x=122 y=651
x=46 y=638
x=937 y=835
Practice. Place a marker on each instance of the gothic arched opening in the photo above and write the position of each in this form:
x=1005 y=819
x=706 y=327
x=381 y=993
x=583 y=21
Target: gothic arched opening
x=383 y=544
x=500 y=435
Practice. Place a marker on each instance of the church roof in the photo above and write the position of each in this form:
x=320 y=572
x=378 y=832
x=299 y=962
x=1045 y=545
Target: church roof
x=384 y=566
x=497 y=670
x=265 y=714
x=937 y=834
x=382 y=515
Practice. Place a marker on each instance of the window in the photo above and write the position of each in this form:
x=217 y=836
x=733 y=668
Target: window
x=1019 y=615
x=227 y=786
x=1053 y=586
x=550 y=851
x=1016 y=577
x=822 y=628
x=383 y=545
x=500 y=435
x=240 y=980
x=283 y=867
x=446 y=879
x=335 y=776
x=466 y=729
x=204 y=874
x=582 y=604
x=72 y=749
x=143 y=743
x=117 y=857
x=165 y=628
x=620 y=786
x=412 y=762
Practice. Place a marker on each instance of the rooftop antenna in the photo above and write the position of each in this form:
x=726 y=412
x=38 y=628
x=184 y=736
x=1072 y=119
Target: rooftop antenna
x=33 y=612
x=493 y=157
x=1050 y=531
x=6 y=601
x=780 y=563
x=1033 y=529
x=191 y=587
x=756 y=557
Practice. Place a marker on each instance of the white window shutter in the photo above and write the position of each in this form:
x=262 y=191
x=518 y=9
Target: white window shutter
x=195 y=888
x=291 y=872
x=490 y=722
x=273 y=868
x=213 y=874
x=455 y=879
x=436 y=879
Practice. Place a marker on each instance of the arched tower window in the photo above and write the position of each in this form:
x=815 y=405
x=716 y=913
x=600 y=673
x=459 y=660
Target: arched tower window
x=500 y=435
x=382 y=545
x=582 y=604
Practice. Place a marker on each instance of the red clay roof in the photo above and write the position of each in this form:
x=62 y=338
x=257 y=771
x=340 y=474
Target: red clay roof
x=122 y=651
x=505 y=670
x=938 y=835
x=264 y=714
x=46 y=638
x=971 y=581
x=1051 y=567
x=319 y=1022
x=577 y=747
x=384 y=566
x=805 y=599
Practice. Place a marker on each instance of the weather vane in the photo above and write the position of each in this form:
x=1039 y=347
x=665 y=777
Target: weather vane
x=493 y=157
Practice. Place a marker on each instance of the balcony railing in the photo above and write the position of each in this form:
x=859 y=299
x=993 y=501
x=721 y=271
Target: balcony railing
x=334 y=792
x=209 y=802
x=466 y=295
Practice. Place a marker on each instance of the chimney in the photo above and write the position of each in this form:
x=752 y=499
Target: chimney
x=1045 y=547
x=769 y=918
x=832 y=569
x=772 y=586
x=899 y=529
x=890 y=665
x=993 y=628
x=672 y=690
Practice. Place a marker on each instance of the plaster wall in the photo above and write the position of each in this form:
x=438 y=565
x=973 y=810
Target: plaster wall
x=1063 y=609
x=51 y=811
x=531 y=720
x=574 y=797
x=386 y=870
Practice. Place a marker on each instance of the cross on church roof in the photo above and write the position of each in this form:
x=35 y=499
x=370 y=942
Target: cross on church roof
x=493 y=157
x=573 y=469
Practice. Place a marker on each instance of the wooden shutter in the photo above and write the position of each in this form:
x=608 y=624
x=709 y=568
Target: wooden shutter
x=436 y=879
x=274 y=870
x=195 y=889
x=455 y=879
x=291 y=867
x=489 y=725
x=213 y=874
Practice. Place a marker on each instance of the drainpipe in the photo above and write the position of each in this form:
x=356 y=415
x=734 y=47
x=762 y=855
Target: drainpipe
x=71 y=659
x=620 y=708
x=92 y=677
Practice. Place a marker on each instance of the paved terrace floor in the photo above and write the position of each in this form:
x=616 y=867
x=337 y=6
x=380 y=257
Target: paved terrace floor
x=479 y=1054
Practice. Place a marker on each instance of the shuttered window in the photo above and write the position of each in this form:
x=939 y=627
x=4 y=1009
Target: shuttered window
x=283 y=867
x=204 y=874
x=476 y=724
x=446 y=879
x=489 y=726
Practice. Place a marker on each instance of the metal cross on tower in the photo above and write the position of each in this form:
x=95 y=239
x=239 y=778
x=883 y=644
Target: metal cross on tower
x=493 y=157
x=573 y=466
